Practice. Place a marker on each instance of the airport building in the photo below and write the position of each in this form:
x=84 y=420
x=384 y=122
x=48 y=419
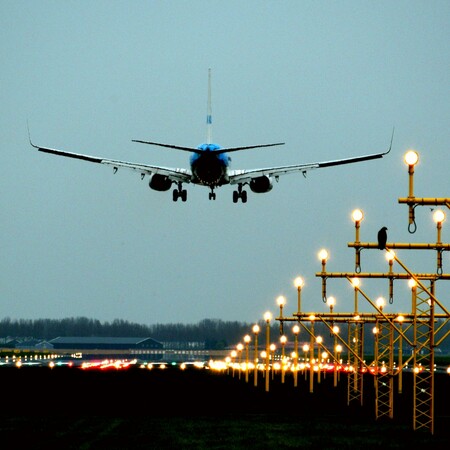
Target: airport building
x=105 y=343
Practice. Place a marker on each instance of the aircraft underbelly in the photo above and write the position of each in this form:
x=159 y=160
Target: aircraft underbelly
x=210 y=174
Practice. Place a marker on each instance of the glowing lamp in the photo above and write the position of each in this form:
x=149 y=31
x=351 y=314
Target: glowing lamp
x=439 y=216
x=381 y=302
x=390 y=255
x=411 y=157
x=323 y=255
x=281 y=301
x=357 y=215
x=331 y=302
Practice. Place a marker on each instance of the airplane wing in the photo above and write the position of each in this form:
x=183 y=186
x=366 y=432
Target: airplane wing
x=175 y=174
x=245 y=176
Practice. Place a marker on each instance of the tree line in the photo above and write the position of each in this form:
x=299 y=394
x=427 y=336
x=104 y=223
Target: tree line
x=215 y=333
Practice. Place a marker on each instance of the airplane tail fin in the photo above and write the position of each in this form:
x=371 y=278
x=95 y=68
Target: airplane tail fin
x=209 y=112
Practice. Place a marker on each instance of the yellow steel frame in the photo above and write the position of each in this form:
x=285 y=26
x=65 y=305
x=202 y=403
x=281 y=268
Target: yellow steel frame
x=390 y=331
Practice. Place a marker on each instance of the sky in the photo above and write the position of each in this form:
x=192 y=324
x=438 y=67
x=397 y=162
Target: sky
x=330 y=79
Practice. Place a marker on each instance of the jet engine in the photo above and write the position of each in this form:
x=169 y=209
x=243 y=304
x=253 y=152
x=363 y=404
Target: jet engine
x=160 y=182
x=261 y=184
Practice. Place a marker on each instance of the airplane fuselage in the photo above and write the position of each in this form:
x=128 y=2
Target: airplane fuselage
x=210 y=168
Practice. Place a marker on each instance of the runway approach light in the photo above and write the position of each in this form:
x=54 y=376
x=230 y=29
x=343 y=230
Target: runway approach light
x=411 y=157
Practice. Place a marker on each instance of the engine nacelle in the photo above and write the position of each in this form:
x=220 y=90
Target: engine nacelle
x=160 y=182
x=261 y=184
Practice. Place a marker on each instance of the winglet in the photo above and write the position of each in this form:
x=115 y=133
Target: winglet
x=392 y=138
x=29 y=136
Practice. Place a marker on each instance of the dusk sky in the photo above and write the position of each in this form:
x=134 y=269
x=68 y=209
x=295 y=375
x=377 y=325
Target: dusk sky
x=330 y=79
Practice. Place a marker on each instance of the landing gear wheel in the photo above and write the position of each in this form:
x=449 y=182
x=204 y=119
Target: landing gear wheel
x=240 y=194
x=179 y=193
x=212 y=195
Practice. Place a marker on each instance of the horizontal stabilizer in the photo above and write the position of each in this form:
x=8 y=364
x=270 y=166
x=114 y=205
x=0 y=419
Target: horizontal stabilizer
x=201 y=150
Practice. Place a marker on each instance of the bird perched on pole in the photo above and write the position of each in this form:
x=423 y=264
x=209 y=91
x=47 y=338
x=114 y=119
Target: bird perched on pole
x=382 y=238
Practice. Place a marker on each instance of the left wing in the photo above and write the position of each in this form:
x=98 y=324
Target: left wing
x=175 y=174
x=245 y=176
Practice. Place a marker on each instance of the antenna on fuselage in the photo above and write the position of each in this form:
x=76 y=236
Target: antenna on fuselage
x=209 y=112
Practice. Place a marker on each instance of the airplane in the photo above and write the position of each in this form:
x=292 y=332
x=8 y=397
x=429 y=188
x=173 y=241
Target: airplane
x=210 y=166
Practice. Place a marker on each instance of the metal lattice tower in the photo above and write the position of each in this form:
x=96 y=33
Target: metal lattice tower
x=355 y=378
x=384 y=369
x=423 y=359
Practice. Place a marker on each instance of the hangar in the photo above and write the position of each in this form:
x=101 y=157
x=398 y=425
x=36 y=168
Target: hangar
x=105 y=343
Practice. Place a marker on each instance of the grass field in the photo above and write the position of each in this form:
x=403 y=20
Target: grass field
x=136 y=409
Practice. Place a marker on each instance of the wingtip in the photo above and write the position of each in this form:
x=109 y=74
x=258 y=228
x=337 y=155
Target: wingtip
x=392 y=139
x=29 y=136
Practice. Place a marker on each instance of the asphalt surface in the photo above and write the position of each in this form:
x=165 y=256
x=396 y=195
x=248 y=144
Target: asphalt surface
x=73 y=390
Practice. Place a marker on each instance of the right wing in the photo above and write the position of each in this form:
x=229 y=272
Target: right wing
x=175 y=174
x=245 y=176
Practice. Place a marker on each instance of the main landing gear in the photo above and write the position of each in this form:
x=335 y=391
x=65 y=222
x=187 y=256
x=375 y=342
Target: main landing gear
x=212 y=194
x=179 y=193
x=240 y=194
